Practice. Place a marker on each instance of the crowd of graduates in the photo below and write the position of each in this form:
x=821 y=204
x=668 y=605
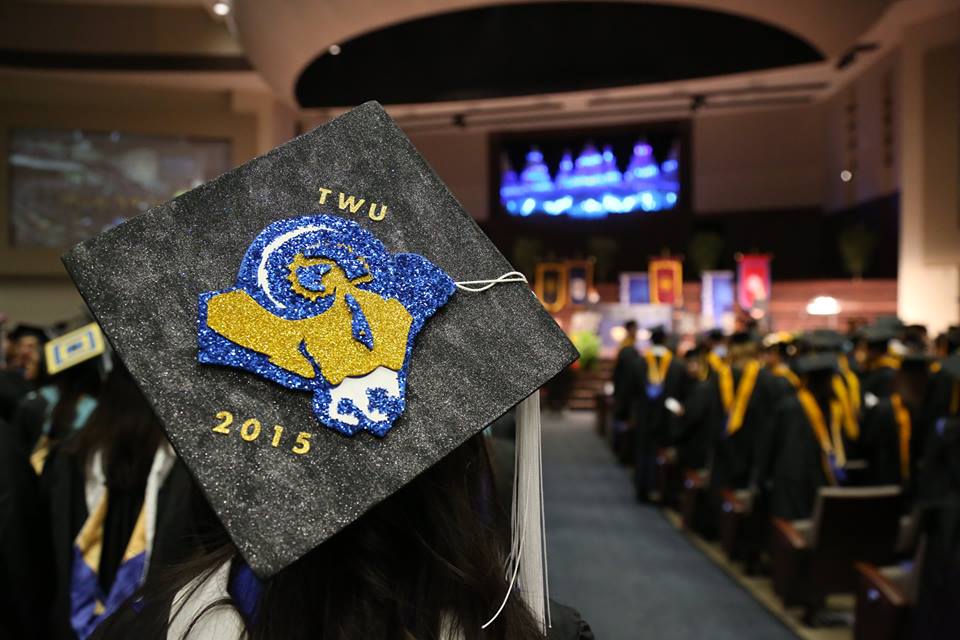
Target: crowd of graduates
x=88 y=487
x=776 y=418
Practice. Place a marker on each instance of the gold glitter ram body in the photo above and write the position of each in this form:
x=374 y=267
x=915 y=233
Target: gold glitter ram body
x=327 y=337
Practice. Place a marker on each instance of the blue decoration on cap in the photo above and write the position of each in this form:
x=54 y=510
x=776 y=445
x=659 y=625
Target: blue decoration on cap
x=320 y=305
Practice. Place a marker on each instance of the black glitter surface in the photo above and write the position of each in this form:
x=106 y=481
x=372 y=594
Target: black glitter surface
x=478 y=356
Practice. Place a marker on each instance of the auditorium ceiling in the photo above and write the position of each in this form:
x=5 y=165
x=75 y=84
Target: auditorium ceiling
x=466 y=62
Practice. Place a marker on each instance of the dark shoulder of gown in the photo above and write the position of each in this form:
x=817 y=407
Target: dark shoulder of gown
x=13 y=388
x=624 y=381
x=26 y=571
x=880 y=444
x=937 y=612
x=27 y=422
x=878 y=381
x=567 y=624
x=691 y=432
x=793 y=463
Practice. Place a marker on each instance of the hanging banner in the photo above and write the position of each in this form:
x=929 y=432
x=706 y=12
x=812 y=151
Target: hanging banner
x=666 y=281
x=579 y=281
x=753 y=281
x=717 y=299
x=550 y=285
x=634 y=287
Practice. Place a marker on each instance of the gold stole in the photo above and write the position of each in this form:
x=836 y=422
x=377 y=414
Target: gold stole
x=830 y=440
x=885 y=361
x=657 y=373
x=784 y=372
x=716 y=362
x=38 y=458
x=853 y=385
x=842 y=395
x=735 y=405
x=904 y=427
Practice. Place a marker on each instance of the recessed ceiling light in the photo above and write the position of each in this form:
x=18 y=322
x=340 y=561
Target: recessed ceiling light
x=846 y=175
x=334 y=50
x=221 y=8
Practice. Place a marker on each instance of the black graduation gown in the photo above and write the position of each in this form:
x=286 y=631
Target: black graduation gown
x=26 y=563
x=791 y=467
x=878 y=381
x=624 y=382
x=181 y=517
x=690 y=432
x=13 y=388
x=937 y=611
x=27 y=422
x=880 y=443
x=736 y=456
x=653 y=419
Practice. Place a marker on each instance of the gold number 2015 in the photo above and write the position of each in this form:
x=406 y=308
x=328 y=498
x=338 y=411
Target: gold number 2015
x=250 y=431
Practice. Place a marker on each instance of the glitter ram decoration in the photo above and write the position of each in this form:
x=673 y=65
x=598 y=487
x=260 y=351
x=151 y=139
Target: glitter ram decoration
x=320 y=305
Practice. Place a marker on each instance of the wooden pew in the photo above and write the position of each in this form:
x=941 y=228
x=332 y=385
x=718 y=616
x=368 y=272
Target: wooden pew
x=815 y=558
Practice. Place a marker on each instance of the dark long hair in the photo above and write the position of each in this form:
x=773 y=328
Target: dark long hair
x=73 y=383
x=431 y=554
x=124 y=429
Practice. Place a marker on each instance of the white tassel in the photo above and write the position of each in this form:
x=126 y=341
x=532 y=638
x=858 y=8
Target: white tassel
x=528 y=550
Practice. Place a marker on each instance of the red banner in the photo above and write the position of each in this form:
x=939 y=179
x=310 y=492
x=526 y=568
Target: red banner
x=666 y=281
x=753 y=281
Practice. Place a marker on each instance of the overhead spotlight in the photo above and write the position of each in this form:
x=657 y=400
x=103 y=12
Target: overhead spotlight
x=221 y=8
x=846 y=175
x=823 y=306
x=334 y=50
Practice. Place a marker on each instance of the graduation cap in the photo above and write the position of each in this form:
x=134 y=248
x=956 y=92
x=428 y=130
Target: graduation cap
x=893 y=323
x=73 y=348
x=824 y=340
x=878 y=334
x=297 y=328
x=815 y=362
x=23 y=330
x=658 y=334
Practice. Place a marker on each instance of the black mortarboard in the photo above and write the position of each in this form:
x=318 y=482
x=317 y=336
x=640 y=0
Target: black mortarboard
x=824 y=340
x=658 y=334
x=741 y=337
x=878 y=333
x=814 y=362
x=715 y=335
x=22 y=330
x=893 y=323
x=315 y=285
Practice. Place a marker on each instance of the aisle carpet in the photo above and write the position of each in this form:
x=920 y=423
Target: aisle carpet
x=629 y=572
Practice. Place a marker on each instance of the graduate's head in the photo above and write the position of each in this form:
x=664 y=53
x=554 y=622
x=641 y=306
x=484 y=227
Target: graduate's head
x=911 y=379
x=26 y=346
x=630 y=326
x=816 y=371
x=658 y=336
x=743 y=348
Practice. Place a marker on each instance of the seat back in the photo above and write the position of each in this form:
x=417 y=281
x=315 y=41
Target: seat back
x=853 y=524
